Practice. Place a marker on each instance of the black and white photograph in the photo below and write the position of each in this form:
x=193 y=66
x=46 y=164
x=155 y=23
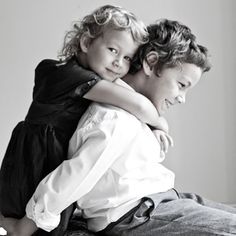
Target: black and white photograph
x=118 y=118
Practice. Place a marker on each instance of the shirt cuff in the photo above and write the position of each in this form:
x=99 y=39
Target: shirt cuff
x=42 y=218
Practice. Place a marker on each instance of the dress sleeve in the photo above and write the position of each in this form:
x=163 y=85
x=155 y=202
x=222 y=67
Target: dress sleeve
x=93 y=149
x=55 y=79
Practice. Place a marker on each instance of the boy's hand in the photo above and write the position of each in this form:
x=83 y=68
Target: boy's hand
x=16 y=227
x=165 y=141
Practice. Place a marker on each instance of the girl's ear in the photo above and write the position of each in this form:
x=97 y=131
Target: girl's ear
x=150 y=62
x=85 y=41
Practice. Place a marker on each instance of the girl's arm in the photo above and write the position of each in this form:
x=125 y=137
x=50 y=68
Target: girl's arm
x=16 y=227
x=129 y=100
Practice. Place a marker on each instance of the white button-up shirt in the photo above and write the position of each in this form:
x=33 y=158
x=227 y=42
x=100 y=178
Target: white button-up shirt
x=114 y=161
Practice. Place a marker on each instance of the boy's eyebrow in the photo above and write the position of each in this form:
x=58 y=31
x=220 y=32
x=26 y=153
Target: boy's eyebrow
x=188 y=82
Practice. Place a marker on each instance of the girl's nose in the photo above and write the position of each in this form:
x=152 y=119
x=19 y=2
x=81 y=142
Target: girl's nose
x=117 y=62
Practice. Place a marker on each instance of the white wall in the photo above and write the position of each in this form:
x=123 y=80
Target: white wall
x=204 y=129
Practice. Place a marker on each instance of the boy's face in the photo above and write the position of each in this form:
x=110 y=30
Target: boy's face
x=172 y=85
x=110 y=54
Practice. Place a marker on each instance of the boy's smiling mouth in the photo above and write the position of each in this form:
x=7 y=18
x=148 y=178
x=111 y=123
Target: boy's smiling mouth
x=168 y=103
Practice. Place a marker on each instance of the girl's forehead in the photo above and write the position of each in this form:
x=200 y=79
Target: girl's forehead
x=121 y=38
x=114 y=33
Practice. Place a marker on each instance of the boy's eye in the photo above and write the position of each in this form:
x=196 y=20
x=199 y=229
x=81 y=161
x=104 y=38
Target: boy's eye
x=181 y=85
x=128 y=59
x=113 y=50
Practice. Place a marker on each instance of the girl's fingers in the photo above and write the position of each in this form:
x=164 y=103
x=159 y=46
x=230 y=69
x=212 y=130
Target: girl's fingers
x=170 y=140
x=164 y=143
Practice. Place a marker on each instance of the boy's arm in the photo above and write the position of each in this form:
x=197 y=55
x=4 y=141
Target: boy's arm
x=127 y=99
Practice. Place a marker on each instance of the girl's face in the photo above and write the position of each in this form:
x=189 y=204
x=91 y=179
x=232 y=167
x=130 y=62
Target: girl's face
x=110 y=54
x=172 y=85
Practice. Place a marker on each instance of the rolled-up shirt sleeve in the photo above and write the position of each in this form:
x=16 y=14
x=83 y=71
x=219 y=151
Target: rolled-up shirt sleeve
x=95 y=147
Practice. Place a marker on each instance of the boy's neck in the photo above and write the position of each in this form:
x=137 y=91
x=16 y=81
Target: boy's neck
x=135 y=80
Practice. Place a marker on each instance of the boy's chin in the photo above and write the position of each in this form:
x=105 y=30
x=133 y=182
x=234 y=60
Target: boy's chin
x=161 y=112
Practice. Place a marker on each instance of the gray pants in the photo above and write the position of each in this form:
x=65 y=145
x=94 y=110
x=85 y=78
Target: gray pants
x=173 y=213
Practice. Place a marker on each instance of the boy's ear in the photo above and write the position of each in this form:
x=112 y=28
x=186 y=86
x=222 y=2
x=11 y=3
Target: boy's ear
x=150 y=62
x=85 y=41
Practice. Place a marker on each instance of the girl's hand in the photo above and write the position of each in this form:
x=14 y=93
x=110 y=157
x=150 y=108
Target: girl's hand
x=162 y=125
x=9 y=224
x=16 y=227
x=165 y=141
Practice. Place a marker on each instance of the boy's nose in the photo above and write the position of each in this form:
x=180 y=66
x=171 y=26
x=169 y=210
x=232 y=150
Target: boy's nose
x=180 y=98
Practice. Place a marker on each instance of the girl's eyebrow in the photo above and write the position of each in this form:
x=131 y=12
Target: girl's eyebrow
x=120 y=46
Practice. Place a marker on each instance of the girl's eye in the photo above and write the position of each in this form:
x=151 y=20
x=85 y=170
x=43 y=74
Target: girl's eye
x=113 y=50
x=128 y=59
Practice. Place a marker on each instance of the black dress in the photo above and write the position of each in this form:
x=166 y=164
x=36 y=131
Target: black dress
x=40 y=142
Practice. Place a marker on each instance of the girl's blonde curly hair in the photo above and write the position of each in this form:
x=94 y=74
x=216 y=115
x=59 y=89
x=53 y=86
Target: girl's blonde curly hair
x=104 y=18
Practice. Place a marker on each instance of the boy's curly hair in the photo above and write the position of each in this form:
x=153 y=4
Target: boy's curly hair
x=94 y=24
x=175 y=44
